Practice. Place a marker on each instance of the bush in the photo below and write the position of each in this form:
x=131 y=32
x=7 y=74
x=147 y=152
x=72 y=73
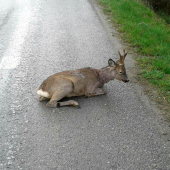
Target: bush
x=160 y=5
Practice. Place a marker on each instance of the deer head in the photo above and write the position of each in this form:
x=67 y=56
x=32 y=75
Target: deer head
x=118 y=68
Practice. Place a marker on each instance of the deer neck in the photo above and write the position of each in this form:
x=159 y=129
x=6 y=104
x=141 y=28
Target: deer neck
x=104 y=75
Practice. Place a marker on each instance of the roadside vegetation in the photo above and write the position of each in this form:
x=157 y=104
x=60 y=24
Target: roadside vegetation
x=149 y=35
x=164 y=16
x=161 y=7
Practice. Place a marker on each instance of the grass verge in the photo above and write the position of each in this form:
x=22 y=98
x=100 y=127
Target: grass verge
x=149 y=35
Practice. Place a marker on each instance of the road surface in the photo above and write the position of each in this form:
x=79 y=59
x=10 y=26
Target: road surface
x=117 y=131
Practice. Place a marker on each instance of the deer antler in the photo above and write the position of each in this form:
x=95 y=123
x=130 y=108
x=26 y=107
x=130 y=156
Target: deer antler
x=124 y=54
x=121 y=57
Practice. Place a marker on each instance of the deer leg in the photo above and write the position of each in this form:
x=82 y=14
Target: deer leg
x=54 y=103
x=58 y=95
x=68 y=103
x=61 y=93
x=97 y=92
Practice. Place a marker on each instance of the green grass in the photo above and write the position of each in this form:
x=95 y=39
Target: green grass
x=148 y=34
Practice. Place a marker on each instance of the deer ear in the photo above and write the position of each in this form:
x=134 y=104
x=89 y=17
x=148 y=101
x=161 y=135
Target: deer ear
x=111 y=62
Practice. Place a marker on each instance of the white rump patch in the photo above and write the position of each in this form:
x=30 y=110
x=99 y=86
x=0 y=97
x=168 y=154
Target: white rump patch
x=43 y=93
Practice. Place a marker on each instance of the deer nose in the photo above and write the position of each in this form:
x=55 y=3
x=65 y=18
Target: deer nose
x=127 y=81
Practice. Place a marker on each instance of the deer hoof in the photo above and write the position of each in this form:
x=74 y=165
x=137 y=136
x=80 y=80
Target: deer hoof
x=78 y=107
x=58 y=105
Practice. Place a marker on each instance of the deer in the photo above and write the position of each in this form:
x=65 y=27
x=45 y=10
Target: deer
x=86 y=82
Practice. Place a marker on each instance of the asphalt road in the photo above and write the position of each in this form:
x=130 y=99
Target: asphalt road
x=117 y=131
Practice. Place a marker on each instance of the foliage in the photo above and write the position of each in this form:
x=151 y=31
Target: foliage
x=160 y=5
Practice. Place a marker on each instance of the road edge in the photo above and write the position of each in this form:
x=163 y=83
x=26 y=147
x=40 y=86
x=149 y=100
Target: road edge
x=155 y=113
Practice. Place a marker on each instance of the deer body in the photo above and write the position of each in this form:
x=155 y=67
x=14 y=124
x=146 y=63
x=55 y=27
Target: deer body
x=85 y=81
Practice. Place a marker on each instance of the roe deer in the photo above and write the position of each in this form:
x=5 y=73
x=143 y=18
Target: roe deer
x=85 y=81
